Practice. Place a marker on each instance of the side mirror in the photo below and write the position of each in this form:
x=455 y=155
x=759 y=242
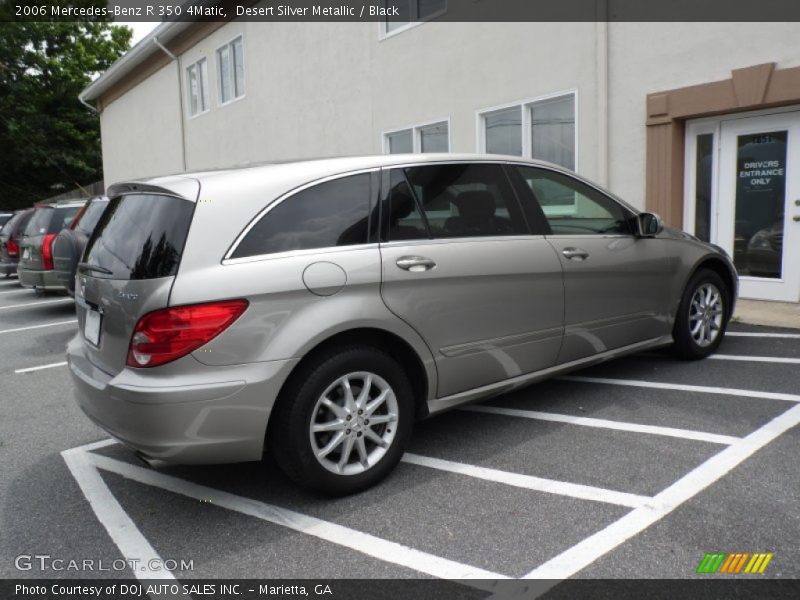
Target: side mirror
x=649 y=224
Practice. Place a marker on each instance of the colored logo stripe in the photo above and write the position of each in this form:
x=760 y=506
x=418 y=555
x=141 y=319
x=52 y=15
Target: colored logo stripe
x=721 y=562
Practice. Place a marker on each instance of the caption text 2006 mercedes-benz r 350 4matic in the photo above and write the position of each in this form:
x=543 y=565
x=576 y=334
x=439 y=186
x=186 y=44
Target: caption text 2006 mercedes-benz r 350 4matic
x=315 y=310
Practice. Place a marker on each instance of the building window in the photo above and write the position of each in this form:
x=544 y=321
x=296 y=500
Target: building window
x=410 y=13
x=230 y=69
x=540 y=129
x=197 y=87
x=431 y=137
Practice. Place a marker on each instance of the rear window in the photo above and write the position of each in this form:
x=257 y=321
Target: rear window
x=5 y=219
x=90 y=218
x=50 y=220
x=140 y=236
x=9 y=225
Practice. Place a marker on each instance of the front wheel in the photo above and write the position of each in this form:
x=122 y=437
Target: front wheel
x=343 y=421
x=702 y=316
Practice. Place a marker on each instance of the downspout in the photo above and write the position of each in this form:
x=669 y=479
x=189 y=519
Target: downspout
x=601 y=56
x=87 y=105
x=180 y=98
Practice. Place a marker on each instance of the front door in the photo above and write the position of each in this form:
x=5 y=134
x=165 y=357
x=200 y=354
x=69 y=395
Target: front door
x=758 y=207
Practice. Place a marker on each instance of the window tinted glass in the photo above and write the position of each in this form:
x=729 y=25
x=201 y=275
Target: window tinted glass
x=553 y=131
x=40 y=221
x=140 y=236
x=334 y=213
x=92 y=215
x=62 y=217
x=467 y=200
x=405 y=220
x=9 y=225
x=572 y=207
x=503 y=131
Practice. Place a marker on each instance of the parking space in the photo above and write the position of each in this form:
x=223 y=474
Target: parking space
x=634 y=468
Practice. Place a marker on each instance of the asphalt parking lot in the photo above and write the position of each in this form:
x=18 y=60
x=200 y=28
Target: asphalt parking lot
x=632 y=469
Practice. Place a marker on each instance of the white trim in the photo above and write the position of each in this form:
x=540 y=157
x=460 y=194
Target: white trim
x=36 y=303
x=529 y=482
x=524 y=105
x=685 y=434
x=202 y=64
x=235 y=98
x=416 y=136
x=383 y=34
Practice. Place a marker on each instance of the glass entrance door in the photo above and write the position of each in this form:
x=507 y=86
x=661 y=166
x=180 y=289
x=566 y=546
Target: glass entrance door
x=758 y=203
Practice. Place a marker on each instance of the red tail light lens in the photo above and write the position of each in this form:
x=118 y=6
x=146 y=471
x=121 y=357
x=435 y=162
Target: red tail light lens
x=12 y=248
x=47 y=251
x=170 y=333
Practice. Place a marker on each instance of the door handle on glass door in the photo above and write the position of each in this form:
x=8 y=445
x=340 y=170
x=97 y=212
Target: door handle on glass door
x=575 y=253
x=415 y=264
x=796 y=218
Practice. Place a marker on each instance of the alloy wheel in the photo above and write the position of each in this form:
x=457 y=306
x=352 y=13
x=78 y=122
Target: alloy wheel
x=705 y=315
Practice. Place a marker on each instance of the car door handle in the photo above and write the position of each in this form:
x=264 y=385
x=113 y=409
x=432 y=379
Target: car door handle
x=415 y=263
x=575 y=253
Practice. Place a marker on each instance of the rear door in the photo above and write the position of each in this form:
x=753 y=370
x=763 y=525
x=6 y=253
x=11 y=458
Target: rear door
x=616 y=284
x=462 y=266
x=131 y=260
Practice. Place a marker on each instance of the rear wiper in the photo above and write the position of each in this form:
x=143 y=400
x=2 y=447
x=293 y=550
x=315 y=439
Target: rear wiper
x=87 y=267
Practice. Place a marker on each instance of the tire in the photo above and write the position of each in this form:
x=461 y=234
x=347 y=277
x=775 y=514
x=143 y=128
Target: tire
x=699 y=329
x=301 y=405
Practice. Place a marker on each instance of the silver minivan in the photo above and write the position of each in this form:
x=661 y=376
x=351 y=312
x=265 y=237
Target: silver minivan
x=315 y=310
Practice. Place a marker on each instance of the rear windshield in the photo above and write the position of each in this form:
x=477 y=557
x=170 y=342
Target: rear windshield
x=50 y=220
x=5 y=219
x=92 y=215
x=9 y=225
x=140 y=236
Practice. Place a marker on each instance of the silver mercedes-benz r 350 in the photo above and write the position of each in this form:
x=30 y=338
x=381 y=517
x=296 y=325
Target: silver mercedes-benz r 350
x=314 y=310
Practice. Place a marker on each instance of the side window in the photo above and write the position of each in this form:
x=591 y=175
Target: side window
x=333 y=213
x=467 y=200
x=572 y=207
x=405 y=221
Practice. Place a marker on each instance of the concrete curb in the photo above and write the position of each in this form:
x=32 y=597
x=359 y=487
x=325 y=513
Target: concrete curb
x=762 y=312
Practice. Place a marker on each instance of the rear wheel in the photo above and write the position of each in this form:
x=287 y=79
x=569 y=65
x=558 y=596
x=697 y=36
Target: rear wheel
x=702 y=316
x=343 y=421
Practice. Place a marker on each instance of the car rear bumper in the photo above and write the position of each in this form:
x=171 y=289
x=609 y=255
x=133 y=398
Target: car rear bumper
x=213 y=415
x=41 y=280
x=8 y=267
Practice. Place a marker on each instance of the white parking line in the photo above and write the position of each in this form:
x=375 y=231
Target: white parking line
x=590 y=549
x=551 y=486
x=17 y=291
x=40 y=368
x=359 y=541
x=71 y=321
x=687 y=434
x=764 y=359
x=36 y=303
x=704 y=389
x=123 y=531
x=791 y=336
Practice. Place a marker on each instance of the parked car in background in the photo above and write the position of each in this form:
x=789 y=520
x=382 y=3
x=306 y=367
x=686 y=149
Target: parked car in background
x=36 y=267
x=5 y=217
x=70 y=242
x=10 y=237
x=314 y=310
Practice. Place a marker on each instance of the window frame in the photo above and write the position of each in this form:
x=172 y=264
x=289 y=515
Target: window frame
x=416 y=135
x=201 y=64
x=415 y=21
x=229 y=44
x=526 y=122
x=385 y=200
x=630 y=211
x=374 y=200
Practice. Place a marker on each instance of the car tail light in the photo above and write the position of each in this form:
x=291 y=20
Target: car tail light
x=170 y=333
x=47 y=251
x=12 y=248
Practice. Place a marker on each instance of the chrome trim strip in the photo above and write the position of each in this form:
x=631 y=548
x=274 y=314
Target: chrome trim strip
x=293 y=253
x=440 y=404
